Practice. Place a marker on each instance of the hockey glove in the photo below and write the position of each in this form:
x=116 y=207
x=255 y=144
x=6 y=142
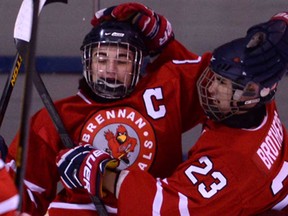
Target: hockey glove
x=272 y=35
x=156 y=29
x=84 y=167
x=3 y=148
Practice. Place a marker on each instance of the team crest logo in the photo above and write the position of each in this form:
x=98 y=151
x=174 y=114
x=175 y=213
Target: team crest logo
x=125 y=134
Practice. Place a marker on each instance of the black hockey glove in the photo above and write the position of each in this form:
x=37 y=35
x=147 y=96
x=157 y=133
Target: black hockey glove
x=272 y=35
x=267 y=49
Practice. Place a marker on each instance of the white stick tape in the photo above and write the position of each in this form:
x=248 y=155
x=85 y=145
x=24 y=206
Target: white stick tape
x=23 y=24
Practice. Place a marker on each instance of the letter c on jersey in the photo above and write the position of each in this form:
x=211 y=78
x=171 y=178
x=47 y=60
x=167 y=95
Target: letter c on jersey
x=151 y=110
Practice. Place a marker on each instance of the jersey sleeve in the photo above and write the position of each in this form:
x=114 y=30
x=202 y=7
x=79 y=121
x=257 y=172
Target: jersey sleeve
x=227 y=173
x=40 y=165
x=187 y=67
x=196 y=188
x=9 y=197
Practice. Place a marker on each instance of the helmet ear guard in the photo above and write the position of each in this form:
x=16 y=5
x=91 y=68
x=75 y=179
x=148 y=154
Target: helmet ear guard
x=263 y=96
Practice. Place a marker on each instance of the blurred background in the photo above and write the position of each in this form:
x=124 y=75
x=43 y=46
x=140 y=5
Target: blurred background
x=200 y=25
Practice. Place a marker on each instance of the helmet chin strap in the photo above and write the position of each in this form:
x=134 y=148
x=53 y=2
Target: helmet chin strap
x=261 y=100
x=109 y=89
x=115 y=84
x=247 y=102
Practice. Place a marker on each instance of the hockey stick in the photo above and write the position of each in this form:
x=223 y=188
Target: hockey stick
x=46 y=99
x=27 y=51
x=23 y=134
x=12 y=78
x=10 y=83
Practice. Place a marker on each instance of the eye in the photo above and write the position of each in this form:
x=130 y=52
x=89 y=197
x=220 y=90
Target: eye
x=124 y=58
x=221 y=80
x=100 y=59
x=122 y=61
x=218 y=79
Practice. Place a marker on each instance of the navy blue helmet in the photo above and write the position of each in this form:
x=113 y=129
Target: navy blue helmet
x=97 y=44
x=238 y=80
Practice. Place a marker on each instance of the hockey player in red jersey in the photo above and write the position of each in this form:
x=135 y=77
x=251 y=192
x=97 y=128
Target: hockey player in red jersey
x=8 y=194
x=9 y=198
x=239 y=165
x=155 y=108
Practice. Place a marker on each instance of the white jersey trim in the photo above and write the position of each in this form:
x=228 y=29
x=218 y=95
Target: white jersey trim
x=2 y=164
x=120 y=180
x=158 y=200
x=9 y=204
x=260 y=126
x=187 y=61
x=83 y=97
x=34 y=187
x=281 y=205
x=183 y=205
x=75 y=206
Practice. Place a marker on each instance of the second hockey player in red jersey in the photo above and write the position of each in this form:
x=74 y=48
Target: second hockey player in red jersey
x=239 y=165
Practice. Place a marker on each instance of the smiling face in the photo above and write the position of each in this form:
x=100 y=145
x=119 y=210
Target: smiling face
x=112 y=55
x=220 y=91
x=221 y=98
x=111 y=69
x=112 y=64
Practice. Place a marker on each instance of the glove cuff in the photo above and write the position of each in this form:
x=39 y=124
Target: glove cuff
x=280 y=16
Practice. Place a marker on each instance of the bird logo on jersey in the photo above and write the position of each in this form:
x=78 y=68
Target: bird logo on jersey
x=120 y=143
x=125 y=134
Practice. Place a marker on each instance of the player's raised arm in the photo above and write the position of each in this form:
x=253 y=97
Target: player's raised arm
x=156 y=29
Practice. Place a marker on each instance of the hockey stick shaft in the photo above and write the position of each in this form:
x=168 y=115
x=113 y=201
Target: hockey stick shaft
x=49 y=105
x=25 y=28
x=65 y=138
x=46 y=99
x=12 y=78
x=23 y=134
x=9 y=86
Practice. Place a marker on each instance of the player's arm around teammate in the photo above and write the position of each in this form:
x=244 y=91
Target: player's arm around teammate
x=228 y=172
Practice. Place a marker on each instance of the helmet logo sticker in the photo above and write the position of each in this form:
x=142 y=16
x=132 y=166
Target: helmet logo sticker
x=212 y=59
x=125 y=134
x=117 y=34
x=237 y=59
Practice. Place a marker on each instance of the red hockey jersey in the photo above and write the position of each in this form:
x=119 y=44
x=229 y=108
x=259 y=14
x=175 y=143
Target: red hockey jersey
x=8 y=194
x=163 y=106
x=229 y=172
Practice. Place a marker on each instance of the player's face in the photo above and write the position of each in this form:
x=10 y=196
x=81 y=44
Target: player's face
x=221 y=92
x=113 y=64
x=221 y=98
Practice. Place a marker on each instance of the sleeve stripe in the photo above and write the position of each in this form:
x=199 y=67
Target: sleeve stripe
x=183 y=205
x=281 y=205
x=158 y=200
x=79 y=206
x=1 y=164
x=9 y=204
